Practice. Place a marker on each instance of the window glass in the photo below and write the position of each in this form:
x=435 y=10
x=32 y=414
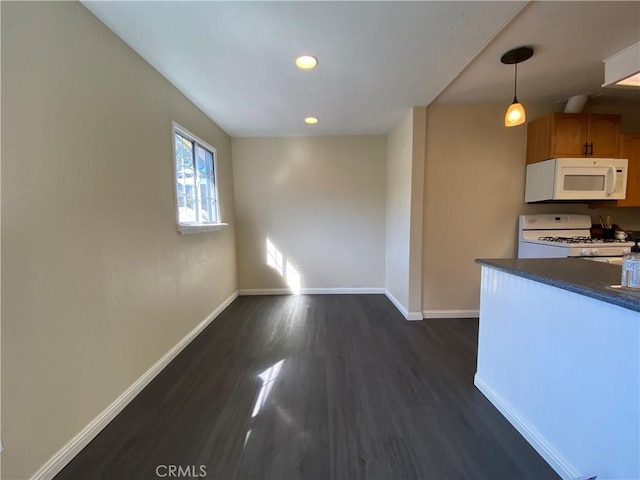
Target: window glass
x=195 y=181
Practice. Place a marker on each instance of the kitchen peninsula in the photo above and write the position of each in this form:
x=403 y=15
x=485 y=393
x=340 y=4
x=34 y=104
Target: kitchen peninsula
x=559 y=356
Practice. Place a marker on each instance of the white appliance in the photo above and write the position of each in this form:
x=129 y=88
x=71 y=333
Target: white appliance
x=576 y=179
x=566 y=235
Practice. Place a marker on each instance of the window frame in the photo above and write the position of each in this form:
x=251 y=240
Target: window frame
x=184 y=227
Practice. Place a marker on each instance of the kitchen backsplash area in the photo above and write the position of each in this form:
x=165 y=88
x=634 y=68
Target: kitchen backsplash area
x=625 y=218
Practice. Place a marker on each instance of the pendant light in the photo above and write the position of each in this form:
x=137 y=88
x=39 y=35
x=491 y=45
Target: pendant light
x=515 y=113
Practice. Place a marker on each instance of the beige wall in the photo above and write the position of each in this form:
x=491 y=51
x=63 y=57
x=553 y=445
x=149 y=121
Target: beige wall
x=100 y=283
x=404 y=205
x=474 y=190
x=319 y=201
x=0 y=269
x=398 y=209
x=417 y=207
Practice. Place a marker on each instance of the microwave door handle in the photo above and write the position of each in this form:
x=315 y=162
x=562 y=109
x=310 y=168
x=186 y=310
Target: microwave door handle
x=611 y=180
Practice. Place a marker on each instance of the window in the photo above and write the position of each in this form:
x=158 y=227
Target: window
x=195 y=175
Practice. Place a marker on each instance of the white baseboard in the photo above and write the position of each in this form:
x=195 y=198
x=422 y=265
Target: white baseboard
x=450 y=313
x=311 y=291
x=406 y=314
x=396 y=302
x=265 y=291
x=343 y=291
x=551 y=454
x=61 y=458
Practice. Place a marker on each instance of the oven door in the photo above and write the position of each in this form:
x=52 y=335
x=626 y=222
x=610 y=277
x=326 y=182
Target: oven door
x=590 y=179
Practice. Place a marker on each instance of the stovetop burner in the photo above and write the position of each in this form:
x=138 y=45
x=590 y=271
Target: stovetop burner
x=579 y=240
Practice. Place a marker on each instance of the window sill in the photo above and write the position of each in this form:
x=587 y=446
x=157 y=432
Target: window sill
x=211 y=227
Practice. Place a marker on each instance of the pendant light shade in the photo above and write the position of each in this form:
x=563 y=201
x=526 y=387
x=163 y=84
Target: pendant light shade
x=515 y=113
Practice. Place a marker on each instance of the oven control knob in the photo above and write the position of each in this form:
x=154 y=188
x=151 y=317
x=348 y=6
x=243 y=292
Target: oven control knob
x=595 y=252
x=585 y=252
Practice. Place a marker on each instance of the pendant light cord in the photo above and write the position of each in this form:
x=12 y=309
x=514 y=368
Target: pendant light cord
x=515 y=85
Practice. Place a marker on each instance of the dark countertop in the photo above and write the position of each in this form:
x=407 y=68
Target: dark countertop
x=592 y=279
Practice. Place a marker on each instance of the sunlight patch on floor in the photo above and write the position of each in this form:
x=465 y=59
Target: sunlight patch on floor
x=268 y=378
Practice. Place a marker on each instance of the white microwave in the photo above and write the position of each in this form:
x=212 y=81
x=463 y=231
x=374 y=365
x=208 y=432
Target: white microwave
x=576 y=179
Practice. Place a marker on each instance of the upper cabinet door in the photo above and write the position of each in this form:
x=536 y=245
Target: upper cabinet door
x=571 y=135
x=568 y=134
x=604 y=136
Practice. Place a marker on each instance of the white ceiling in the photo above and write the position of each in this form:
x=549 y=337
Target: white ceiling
x=570 y=39
x=377 y=59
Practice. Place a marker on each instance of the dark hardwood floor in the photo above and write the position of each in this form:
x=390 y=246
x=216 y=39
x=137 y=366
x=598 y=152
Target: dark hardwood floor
x=324 y=386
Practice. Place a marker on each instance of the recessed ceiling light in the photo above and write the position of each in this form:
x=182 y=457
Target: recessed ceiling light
x=311 y=120
x=306 y=62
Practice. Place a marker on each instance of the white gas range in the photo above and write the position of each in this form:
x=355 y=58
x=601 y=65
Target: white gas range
x=566 y=235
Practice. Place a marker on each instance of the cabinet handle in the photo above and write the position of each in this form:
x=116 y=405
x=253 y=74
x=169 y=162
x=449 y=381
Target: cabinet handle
x=591 y=149
x=584 y=152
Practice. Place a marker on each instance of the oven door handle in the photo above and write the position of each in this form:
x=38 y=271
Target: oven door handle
x=610 y=180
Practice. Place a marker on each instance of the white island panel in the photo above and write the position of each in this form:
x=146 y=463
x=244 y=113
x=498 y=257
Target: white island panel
x=564 y=368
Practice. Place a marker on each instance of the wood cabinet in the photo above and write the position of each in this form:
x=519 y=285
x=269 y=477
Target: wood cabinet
x=562 y=135
x=630 y=149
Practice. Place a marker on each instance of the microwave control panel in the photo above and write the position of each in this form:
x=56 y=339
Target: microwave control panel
x=619 y=187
